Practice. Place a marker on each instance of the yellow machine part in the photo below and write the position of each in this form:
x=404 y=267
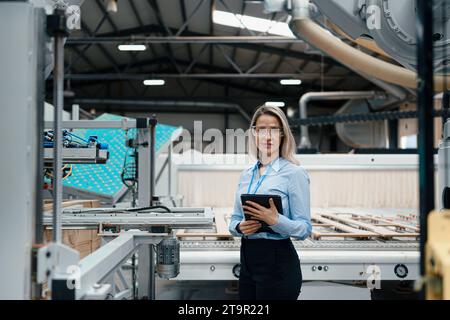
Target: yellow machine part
x=437 y=255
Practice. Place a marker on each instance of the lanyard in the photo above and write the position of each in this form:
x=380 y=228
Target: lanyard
x=261 y=179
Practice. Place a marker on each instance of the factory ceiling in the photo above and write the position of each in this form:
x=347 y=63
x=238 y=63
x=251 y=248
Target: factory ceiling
x=199 y=59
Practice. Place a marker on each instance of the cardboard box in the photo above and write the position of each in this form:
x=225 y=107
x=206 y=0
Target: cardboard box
x=85 y=241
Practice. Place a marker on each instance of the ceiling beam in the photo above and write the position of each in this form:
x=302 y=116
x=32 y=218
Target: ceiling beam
x=101 y=47
x=228 y=75
x=219 y=82
x=184 y=16
x=152 y=28
x=205 y=67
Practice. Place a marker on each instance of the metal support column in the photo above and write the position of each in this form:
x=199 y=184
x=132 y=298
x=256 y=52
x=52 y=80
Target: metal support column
x=40 y=99
x=152 y=124
x=75 y=112
x=146 y=160
x=146 y=272
x=426 y=124
x=169 y=169
x=393 y=134
x=56 y=27
x=143 y=165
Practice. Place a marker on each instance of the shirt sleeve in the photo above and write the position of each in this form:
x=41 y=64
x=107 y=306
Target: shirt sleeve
x=299 y=224
x=238 y=214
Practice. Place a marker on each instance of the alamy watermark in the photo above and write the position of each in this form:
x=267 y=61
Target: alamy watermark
x=373 y=17
x=74 y=279
x=209 y=143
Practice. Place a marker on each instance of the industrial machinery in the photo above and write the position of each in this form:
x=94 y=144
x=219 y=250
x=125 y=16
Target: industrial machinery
x=437 y=256
x=33 y=265
x=145 y=231
x=76 y=150
x=386 y=248
x=444 y=169
x=437 y=250
x=387 y=27
x=377 y=253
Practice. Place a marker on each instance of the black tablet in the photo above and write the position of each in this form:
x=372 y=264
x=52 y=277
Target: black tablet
x=263 y=200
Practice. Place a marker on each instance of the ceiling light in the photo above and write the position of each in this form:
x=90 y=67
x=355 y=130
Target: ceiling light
x=132 y=47
x=154 y=82
x=274 y=104
x=111 y=5
x=290 y=82
x=252 y=23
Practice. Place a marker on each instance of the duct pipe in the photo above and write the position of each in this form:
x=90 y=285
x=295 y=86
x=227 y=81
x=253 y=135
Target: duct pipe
x=164 y=103
x=393 y=90
x=332 y=95
x=355 y=59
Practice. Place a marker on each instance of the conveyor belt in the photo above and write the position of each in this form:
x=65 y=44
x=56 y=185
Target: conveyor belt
x=308 y=244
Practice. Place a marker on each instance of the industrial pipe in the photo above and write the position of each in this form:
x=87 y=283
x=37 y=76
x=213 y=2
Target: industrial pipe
x=393 y=90
x=355 y=59
x=305 y=142
x=166 y=103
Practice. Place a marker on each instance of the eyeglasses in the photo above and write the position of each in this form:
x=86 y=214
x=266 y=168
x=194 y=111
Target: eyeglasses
x=263 y=132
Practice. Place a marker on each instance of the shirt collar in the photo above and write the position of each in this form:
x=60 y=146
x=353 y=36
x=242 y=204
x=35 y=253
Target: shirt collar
x=276 y=164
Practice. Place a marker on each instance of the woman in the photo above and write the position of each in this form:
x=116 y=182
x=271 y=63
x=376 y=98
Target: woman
x=270 y=267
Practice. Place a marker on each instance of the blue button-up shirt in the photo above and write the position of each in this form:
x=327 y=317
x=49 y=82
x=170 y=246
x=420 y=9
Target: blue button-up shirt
x=287 y=180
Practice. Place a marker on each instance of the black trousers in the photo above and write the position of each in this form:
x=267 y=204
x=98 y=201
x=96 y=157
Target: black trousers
x=270 y=270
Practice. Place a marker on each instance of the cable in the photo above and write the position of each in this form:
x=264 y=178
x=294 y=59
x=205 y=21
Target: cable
x=75 y=136
x=121 y=210
x=128 y=174
x=149 y=208
x=68 y=174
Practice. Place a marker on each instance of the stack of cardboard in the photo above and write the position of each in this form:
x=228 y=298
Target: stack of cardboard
x=84 y=240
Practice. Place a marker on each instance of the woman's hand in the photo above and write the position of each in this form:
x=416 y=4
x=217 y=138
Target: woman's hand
x=268 y=215
x=248 y=227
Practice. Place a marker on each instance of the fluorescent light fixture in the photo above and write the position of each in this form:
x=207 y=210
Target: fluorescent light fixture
x=290 y=82
x=275 y=104
x=252 y=23
x=154 y=82
x=132 y=47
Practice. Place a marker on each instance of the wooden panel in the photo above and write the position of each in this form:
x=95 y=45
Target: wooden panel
x=387 y=223
x=320 y=235
x=339 y=226
x=218 y=231
x=381 y=231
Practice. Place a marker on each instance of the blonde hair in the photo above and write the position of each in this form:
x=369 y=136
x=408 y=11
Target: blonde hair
x=287 y=144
